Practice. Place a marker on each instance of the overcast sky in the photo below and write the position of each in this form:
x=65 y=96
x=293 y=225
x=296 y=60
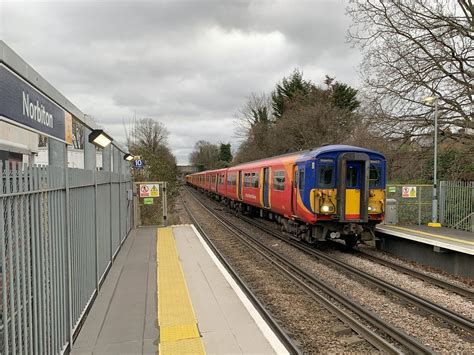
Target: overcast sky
x=189 y=64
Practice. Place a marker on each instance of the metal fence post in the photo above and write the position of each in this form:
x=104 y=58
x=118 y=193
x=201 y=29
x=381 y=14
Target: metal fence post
x=165 y=204
x=419 y=204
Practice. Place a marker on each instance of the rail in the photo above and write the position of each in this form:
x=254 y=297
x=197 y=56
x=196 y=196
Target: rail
x=304 y=280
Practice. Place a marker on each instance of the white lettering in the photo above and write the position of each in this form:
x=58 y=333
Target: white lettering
x=36 y=112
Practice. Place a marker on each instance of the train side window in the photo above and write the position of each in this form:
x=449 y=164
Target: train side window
x=255 y=182
x=247 y=180
x=279 y=180
x=326 y=176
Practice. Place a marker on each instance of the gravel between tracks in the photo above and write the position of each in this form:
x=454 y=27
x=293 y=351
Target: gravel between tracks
x=424 y=289
x=306 y=321
x=428 y=329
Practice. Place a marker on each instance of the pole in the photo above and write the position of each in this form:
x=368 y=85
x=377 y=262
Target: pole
x=435 y=168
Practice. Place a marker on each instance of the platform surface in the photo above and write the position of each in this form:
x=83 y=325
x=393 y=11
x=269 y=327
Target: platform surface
x=226 y=325
x=122 y=318
x=446 y=238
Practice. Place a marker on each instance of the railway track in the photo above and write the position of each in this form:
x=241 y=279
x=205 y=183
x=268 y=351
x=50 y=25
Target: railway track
x=443 y=313
x=419 y=275
x=314 y=287
x=277 y=329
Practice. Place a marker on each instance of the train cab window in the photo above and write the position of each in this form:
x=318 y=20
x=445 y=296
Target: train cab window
x=301 y=182
x=351 y=176
x=279 y=180
x=326 y=173
x=375 y=175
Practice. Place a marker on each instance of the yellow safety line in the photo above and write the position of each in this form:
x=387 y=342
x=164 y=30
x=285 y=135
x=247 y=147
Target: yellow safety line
x=179 y=333
x=432 y=235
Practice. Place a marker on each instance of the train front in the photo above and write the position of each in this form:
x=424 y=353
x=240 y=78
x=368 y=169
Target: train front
x=349 y=193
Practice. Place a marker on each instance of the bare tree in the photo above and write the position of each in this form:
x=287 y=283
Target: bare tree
x=256 y=111
x=413 y=49
x=205 y=154
x=149 y=134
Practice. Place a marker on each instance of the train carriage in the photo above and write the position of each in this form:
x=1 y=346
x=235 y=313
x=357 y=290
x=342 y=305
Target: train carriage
x=330 y=192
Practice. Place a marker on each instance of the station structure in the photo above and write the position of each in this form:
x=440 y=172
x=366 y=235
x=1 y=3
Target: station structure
x=79 y=276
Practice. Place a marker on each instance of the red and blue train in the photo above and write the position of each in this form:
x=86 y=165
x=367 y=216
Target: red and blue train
x=331 y=192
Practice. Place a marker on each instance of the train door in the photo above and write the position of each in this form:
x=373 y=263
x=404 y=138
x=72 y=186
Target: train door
x=266 y=187
x=353 y=184
x=239 y=187
x=353 y=187
x=294 y=190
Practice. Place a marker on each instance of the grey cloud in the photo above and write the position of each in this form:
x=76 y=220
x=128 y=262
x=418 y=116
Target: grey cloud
x=189 y=64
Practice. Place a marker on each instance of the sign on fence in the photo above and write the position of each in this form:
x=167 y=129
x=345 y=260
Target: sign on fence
x=409 y=191
x=149 y=190
x=148 y=201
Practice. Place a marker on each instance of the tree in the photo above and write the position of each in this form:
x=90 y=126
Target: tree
x=225 y=155
x=205 y=154
x=342 y=95
x=149 y=134
x=149 y=140
x=413 y=49
x=257 y=111
x=287 y=89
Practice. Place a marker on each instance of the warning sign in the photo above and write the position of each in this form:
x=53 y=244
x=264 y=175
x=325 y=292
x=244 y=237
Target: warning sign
x=149 y=190
x=409 y=191
x=154 y=191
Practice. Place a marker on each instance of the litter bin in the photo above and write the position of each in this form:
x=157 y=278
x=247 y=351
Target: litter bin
x=391 y=211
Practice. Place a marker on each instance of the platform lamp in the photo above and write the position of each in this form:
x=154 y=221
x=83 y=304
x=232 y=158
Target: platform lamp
x=128 y=157
x=430 y=100
x=99 y=138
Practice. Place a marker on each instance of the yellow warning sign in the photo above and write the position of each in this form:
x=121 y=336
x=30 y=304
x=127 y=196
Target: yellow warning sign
x=154 y=191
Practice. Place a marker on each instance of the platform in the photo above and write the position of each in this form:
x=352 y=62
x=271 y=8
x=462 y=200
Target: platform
x=168 y=293
x=444 y=238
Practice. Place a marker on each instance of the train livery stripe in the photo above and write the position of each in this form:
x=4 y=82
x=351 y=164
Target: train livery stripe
x=176 y=318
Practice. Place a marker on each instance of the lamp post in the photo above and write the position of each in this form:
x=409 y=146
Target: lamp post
x=434 y=209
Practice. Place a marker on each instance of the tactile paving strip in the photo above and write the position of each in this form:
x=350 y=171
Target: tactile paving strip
x=178 y=325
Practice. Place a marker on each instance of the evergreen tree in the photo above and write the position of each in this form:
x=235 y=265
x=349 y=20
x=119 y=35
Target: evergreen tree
x=286 y=90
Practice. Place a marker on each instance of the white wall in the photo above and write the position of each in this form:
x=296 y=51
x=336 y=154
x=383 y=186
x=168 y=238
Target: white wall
x=17 y=140
x=75 y=158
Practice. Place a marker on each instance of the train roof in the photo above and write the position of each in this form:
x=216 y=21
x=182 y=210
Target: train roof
x=303 y=155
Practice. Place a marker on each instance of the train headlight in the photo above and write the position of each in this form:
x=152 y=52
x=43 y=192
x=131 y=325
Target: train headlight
x=370 y=208
x=326 y=208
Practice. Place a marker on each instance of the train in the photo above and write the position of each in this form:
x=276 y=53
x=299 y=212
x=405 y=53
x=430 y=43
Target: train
x=333 y=192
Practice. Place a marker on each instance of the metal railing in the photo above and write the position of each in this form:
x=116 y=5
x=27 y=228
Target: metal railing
x=59 y=232
x=456 y=204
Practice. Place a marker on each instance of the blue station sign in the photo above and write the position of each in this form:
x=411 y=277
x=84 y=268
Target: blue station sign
x=24 y=105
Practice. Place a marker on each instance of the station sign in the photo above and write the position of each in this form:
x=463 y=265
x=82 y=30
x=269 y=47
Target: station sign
x=149 y=190
x=138 y=164
x=25 y=106
x=409 y=191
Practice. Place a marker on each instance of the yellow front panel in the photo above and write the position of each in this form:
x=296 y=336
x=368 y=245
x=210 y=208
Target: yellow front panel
x=376 y=201
x=352 y=204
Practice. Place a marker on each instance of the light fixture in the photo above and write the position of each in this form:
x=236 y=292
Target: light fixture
x=128 y=157
x=429 y=100
x=99 y=138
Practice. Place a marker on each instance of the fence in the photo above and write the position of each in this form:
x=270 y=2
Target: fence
x=59 y=232
x=414 y=208
x=456 y=205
